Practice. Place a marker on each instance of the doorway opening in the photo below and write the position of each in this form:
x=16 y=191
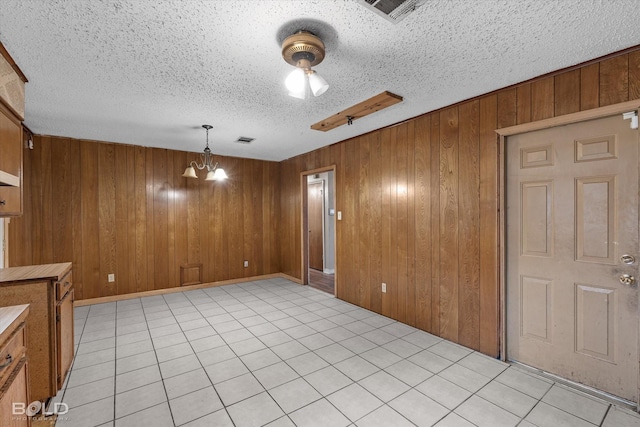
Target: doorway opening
x=318 y=206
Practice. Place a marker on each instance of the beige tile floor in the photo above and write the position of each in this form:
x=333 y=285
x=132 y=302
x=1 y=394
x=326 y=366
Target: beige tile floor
x=274 y=353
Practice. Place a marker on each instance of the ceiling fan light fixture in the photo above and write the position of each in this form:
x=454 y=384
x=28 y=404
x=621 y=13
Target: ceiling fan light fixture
x=317 y=83
x=304 y=50
x=300 y=95
x=296 y=80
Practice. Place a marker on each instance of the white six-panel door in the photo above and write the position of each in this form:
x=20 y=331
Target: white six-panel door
x=572 y=217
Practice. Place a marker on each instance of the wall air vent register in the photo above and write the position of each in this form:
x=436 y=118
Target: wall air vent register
x=244 y=140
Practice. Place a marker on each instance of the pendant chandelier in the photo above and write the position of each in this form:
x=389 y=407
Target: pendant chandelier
x=214 y=173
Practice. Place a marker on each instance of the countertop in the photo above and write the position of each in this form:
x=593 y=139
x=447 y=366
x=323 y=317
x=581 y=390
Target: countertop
x=34 y=272
x=9 y=315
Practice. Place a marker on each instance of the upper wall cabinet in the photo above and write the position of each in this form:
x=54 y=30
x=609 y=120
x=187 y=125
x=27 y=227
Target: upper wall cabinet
x=11 y=115
x=12 y=82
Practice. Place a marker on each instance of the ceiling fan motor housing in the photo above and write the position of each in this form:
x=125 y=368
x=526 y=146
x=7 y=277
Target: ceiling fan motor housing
x=303 y=46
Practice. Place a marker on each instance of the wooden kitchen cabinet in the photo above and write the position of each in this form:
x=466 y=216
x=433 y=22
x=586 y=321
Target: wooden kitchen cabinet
x=64 y=331
x=48 y=289
x=11 y=115
x=10 y=163
x=13 y=365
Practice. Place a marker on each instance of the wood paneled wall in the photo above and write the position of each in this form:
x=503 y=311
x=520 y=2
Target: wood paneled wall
x=114 y=208
x=420 y=202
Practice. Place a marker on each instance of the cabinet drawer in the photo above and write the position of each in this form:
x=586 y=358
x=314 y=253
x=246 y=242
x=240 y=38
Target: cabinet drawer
x=63 y=286
x=10 y=201
x=11 y=352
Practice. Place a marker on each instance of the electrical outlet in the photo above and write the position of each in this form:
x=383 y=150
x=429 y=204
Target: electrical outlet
x=384 y=288
x=339 y=215
x=246 y=263
x=111 y=277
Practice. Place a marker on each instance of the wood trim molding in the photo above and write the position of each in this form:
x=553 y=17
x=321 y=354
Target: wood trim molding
x=329 y=168
x=5 y=53
x=502 y=231
x=286 y=276
x=362 y=109
x=101 y=300
x=304 y=258
x=6 y=241
x=581 y=116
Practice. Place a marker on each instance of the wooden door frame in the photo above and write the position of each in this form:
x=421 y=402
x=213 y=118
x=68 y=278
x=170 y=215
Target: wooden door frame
x=503 y=133
x=304 y=224
x=5 y=242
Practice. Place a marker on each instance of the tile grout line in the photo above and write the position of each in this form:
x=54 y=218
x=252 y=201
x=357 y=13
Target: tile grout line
x=204 y=368
x=260 y=294
x=251 y=372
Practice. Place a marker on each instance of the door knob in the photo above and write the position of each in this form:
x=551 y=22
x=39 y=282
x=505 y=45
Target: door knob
x=628 y=259
x=627 y=279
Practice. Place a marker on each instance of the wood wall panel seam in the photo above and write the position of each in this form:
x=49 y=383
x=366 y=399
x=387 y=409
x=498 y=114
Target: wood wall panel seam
x=489 y=267
x=634 y=75
x=106 y=197
x=449 y=197
x=614 y=80
x=435 y=224
x=469 y=228
x=590 y=87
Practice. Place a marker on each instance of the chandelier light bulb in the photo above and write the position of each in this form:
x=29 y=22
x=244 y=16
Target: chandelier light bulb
x=219 y=174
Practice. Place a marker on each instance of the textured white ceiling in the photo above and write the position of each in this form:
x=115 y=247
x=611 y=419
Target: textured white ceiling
x=152 y=72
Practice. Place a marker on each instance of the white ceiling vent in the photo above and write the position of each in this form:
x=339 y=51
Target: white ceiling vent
x=392 y=10
x=244 y=140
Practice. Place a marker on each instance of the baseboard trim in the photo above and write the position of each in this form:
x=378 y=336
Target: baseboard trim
x=113 y=298
x=293 y=279
x=329 y=271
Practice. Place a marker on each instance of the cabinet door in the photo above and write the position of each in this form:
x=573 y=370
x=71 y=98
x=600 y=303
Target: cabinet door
x=17 y=392
x=11 y=143
x=10 y=164
x=10 y=201
x=64 y=335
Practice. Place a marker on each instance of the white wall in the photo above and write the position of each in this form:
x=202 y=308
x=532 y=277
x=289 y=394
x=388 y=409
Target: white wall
x=329 y=220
